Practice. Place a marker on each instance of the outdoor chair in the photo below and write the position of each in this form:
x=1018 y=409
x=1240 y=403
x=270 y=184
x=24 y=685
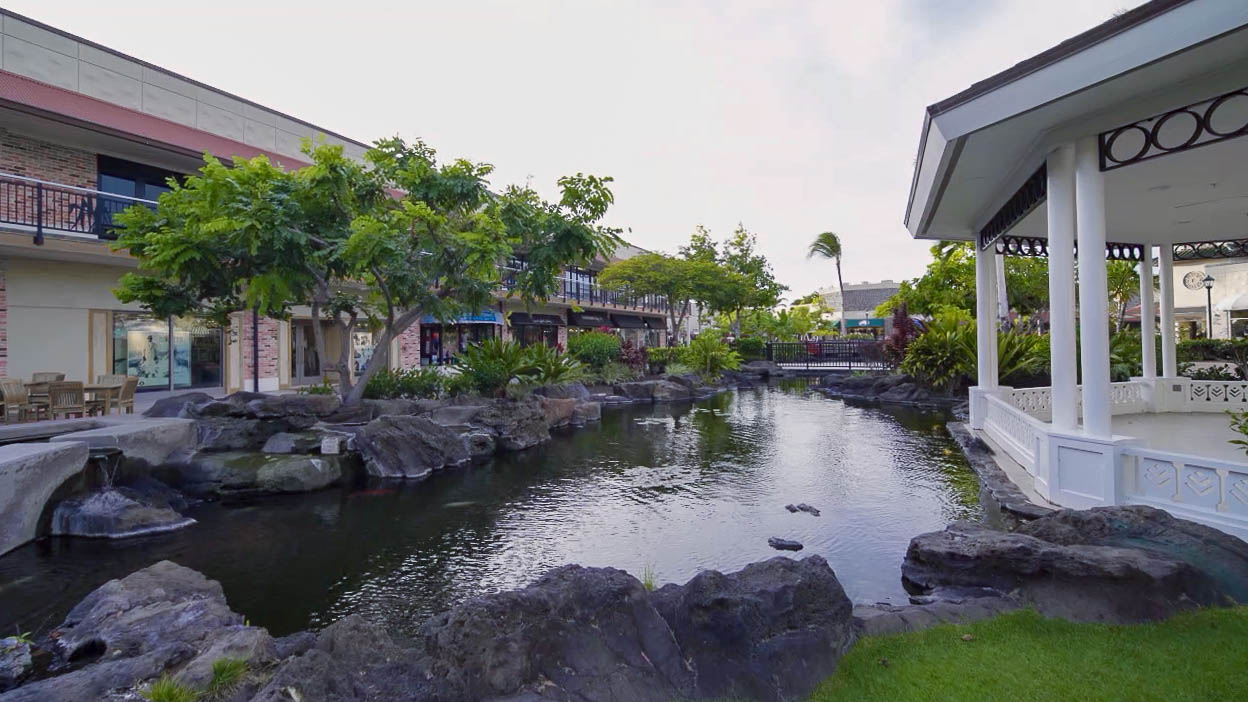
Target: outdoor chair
x=125 y=397
x=17 y=400
x=46 y=377
x=38 y=388
x=66 y=398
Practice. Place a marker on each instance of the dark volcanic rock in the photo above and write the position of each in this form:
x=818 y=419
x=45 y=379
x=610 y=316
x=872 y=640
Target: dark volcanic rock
x=771 y=631
x=784 y=544
x=803 y=507
x=637 y=390
x=668 y=391
x=1146 y=576
x=399 y=446
x=558 y=411
x=517 y=424
x=287 y=442
x=227 y=433
x=234 y=472
x=162 y=618
x=176 y=406
x=576 y=634
x=15 y=662
x=587 y=412
x=114 y=513
x=574 y=391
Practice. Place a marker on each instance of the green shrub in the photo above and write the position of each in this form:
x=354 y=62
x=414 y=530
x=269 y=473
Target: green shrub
x=613 y=373
x=945 y=356
x=662 y=357
x=457 y=383
x=410 y=384
x=166 y=689
x=709 y=356
x=323 y=389
x=594 y=348
x=678 y=368
x=549 y=367
x=1222 y=372
x=750 y=347
x=632 y=355
x=493 y=364
x=1230 y=350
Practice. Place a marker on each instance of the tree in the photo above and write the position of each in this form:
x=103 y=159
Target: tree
x=828 y=245
x=1122 y=283
x=254 y=237
x=949 y=281
x=681 y=280
x=759 y=288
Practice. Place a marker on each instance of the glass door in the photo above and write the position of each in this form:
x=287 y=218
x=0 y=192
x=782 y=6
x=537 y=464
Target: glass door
x=305 y=363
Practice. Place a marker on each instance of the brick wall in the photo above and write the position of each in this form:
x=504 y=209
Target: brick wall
x=409 y=347
x=44 y=160
x=269 y=350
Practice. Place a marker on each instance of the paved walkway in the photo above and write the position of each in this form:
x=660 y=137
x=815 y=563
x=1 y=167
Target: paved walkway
x=1201 y=433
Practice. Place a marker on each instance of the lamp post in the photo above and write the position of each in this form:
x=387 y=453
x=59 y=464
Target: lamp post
x=1209 y=304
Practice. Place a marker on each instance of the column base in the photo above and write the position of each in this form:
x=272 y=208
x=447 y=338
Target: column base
x=1081 y=471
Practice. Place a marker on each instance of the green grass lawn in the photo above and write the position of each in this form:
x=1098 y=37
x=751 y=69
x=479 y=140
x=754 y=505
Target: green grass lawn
x=1022 y=656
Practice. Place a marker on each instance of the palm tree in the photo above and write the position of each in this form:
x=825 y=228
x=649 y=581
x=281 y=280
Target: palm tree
x=828 y=245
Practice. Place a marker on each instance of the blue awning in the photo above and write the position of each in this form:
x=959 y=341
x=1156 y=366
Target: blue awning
x=487 y=317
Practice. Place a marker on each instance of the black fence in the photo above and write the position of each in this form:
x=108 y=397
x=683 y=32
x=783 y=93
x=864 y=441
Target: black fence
x=853 y=354
x=589 y=292
x=48 y=207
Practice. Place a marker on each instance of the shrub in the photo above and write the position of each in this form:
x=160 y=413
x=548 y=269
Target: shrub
x=632 y=355
x=594 y=348
x=858 y=336
x=904 y=332
x=414 y=383
x=457 y=383
x=662 y=357
x=750 y=347
x=1239 y=425
x=166 y=689
x=493 y=364
x=678 y=368
x=1222 y=372
x=323 y=389
x=709 y=356
x=549 y=367
x=615 y=373
x=1230 y=350
x=944 y=356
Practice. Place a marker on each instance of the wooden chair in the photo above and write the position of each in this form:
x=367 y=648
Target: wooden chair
x=125 y=396
x=46 y=377
x=38 y=388
x=66 y=398
x=17 y=399
x=102 y=401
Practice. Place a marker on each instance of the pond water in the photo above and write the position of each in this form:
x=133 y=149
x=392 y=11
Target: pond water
x=672 y=489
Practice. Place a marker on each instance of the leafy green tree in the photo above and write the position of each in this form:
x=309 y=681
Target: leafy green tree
x=949 y=281
x=828 y=246
x=681 y=280
x=1122 y=282
x=257 y=238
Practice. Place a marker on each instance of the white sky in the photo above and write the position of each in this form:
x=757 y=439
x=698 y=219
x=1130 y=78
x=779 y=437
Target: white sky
x=790 y=117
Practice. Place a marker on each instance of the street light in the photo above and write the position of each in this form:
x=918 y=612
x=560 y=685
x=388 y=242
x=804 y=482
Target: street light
x=1209 y=303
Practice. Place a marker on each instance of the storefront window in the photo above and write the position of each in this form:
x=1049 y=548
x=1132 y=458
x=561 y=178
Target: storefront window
x=362 y=346
x=144 y=348
x=530 y=334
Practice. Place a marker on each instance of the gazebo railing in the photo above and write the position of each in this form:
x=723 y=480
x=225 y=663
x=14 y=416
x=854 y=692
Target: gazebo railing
x=1205 y=490
x=1018 y=433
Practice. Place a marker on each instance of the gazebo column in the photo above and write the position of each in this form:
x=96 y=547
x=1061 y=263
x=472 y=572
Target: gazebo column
x=1165 y=273
x=986 y=333
x=1093 y=293
x=1148 y=325
x=1061 y=215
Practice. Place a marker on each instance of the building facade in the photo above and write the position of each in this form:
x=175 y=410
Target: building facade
x=85 y=132
x=857 y=306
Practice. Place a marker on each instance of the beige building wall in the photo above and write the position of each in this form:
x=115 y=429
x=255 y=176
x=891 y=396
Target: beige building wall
x=51 y=326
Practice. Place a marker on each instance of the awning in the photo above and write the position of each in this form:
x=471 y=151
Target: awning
x=628 y=321
x=655 y=323
x=1239 y=302
x=487 y=317
x=520 y=319
x=871 y=322
x=590 y=319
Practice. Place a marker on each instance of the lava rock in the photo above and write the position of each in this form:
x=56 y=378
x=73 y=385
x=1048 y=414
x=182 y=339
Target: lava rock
x=234 y=472
x=575 y=634
x=15 y=662
x=637 y=390
x=771 y=631
x=557 y=411
x=1076 y=578
x=516 y=424
x=400 y=446
x=575 y=391
x=586 y=412
x=114 y=513
x=803 y=507
x=784 y=544
x=177 y=405
x=481 y=444
x=764 y=369
x=668 y=391
x=287 y=442
x=225 y=433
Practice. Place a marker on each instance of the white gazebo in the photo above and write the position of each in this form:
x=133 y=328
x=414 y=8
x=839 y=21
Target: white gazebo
x=1122 y=143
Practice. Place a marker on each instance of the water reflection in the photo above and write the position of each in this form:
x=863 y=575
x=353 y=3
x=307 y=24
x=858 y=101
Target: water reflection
x=673 y=488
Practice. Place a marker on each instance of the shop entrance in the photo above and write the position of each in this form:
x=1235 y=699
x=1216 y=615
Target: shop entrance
x=305 y=362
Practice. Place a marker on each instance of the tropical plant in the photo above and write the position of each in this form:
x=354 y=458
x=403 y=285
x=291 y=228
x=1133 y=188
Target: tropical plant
x=632 y=355
x=828 y=246
x=1239 y=424
x=709 y=356
x=549 y=367
x=681 y=280
x=678 y=368
x=323 y=388
x=661 y=357
x=613 y=373
x=594 y=348
x=493 y=364
x=1222 y=372
x=410 y=384
x=938 y=358
x=750 y=347
x=904 y=332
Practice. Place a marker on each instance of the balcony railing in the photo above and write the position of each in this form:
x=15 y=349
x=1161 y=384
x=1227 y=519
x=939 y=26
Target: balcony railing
x=573 y=288
x=42 y=207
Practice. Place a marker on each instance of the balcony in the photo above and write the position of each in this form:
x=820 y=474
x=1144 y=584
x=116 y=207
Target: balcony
x=41 y=207
x=582 y=288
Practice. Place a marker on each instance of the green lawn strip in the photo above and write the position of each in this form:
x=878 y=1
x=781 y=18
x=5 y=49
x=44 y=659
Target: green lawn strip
x=1022 y=656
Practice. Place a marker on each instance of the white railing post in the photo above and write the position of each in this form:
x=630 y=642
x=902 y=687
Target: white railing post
x=986 y=334
x=1148 y=327
x=1093 y=310
x=1165 y=275
x=1061 y=213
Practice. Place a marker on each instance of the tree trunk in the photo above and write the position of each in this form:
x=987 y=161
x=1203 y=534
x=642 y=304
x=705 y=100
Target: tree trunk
x=841 y=284
x=379 y=360
x=318 y=336
x=343 y=366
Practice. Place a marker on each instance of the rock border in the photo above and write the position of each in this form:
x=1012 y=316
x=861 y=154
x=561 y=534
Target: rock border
x=1007 y=495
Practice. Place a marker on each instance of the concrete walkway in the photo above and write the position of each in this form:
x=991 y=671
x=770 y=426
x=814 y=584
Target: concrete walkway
x=1200 y=433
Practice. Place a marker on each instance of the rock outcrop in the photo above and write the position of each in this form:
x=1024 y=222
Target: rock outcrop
x=1115 y=564
x=769 y=632
x=401 y=446
x=115 y=513
x=240 y=472
x=15 y=661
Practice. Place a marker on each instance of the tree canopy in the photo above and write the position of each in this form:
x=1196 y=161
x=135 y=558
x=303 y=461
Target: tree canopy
x=683 y=281
x=381 y=246
x=949 y=281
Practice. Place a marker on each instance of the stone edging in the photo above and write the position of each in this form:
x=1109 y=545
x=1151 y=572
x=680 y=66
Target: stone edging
x=884 y=619
x=1008 y=495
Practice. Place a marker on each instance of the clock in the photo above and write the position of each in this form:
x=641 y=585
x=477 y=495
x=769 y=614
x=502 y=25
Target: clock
x=1194 y=280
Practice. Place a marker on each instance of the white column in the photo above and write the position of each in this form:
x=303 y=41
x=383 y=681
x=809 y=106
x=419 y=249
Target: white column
x=985 y=316
x=1093 y=294
x=1165 y=275
x=1061 y=214
x=1148 y=323
x=1003 y=299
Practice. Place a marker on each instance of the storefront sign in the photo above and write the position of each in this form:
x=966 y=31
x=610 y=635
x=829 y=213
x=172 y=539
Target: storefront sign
x=872 y=322
x=590 y=319
x=487 y=317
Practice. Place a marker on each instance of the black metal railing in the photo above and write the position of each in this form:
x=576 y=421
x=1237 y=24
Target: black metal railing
x=844 y=353
x=64 y=209
x=575 y=288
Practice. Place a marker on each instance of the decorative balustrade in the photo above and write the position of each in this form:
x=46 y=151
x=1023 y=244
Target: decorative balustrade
x=1017 y=432
x=1128 y=398
x=1192 y=487
x=1037 y=402
x=1216 y=395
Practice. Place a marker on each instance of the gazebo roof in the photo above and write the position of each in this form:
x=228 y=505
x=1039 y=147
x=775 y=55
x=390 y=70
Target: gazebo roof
x=980 y=147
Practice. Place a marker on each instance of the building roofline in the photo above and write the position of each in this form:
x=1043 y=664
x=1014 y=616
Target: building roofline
x=1079 y=42
x=154 y=67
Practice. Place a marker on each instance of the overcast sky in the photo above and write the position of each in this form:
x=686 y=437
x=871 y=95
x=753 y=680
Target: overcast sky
x=791 y=118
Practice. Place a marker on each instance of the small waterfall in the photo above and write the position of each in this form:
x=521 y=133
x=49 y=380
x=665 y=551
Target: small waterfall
x=113 y=511
x=107 y=461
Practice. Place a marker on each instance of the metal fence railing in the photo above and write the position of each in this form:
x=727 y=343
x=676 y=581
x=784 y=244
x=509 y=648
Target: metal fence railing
x=847 y=353
x=64 y=209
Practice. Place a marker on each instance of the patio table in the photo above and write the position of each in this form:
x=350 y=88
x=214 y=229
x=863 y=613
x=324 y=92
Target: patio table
x=108 y=391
